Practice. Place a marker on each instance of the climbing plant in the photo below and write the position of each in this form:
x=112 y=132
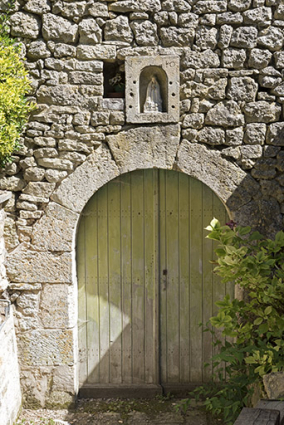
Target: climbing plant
x=14 y=85
x=253 y=326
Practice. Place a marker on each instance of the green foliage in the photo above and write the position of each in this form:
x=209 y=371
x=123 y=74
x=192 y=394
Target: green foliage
x=253 y=326
x=14 y=85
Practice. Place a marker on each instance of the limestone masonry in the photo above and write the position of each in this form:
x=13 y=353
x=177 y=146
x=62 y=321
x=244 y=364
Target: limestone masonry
x=229 y=133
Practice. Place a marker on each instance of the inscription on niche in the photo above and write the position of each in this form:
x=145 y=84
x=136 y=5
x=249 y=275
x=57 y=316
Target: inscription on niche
x=152 y=89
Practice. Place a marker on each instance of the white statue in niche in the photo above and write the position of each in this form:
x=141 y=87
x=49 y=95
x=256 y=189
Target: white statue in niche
x=153 y=101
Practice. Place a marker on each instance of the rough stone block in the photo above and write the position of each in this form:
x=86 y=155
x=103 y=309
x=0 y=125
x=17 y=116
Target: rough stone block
x=56 y=303
x=193 y=120
x=242 y=89
x=39 y=189
x=38 y=7
x=46 y=348
x=255 y=134
x=259 y=15
x=239 y=5
x=81 y=77
x=56 y=163
x=235 y=136
x=136 y=6
x=206 y=37
x=59 y=29
x=275 y=134
x=74 y=10
x=172 y=36
x=227 y=114
x=13 y=183
x=272 y=38
x=62 y=50
x=25 y=25
x=233 y=58
x=98 y=10
x=145 y=33
x=38 y=50
x=24 y=265
x=96 y=52
x=76 y=190
x=118 y=30
x=225 y=35
x=279 y=59
x=210 y=6
x=187 y=20
x=262 y=111
x=251 y=152
x=55 y=231
x=90 y=32
x=211 y=136
x=244 y=37
x=63 y=378
x=145 y=147
x=208 y=166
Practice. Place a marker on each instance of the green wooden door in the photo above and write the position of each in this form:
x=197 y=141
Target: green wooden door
x=145 y=282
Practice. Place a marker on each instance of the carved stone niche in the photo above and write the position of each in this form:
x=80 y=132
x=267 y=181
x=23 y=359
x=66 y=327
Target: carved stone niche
x=152 y=89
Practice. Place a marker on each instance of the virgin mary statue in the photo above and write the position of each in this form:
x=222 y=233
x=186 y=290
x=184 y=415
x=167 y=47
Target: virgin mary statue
x=153 y=101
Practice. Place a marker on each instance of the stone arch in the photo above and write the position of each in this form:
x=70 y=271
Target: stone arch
x=145 y=77
x=156 y=148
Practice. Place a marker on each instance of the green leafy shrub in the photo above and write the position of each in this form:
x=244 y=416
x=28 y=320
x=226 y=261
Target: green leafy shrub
x=14 y=85
x=253 y=326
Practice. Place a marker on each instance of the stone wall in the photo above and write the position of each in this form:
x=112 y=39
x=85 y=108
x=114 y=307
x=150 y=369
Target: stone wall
x=10 y=392
x=229 y=135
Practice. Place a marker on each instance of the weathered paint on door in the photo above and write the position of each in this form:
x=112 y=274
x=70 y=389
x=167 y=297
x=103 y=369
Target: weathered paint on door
x=145 y=280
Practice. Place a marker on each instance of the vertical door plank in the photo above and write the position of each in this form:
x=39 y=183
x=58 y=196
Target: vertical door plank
x=92 y=292
x=150 y=214
x=82 y=319
x=196 y=265
x=219 y=289
x=126 y=279
x=184 y=256
x=104 y=283
x=163 y=278
x=114 y=249
x=172 y=247
x=207 y=280
x=138 y=278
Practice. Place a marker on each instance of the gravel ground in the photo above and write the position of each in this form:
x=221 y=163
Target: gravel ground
x=160 y=411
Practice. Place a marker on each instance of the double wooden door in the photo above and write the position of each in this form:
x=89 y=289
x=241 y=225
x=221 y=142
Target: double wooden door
x=145 y=282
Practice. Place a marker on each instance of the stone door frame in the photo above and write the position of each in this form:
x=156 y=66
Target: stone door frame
x=49 y=260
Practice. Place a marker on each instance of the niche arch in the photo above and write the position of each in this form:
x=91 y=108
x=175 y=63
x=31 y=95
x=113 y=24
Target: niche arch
x=145 y=79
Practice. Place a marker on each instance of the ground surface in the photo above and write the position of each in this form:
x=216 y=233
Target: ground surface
x=160 y=411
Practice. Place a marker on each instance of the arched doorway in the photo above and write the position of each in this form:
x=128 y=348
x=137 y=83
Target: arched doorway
x=145 y=283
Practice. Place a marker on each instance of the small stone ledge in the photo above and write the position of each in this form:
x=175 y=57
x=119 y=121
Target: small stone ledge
x=5 y=307
x=113 y=104
x=5 y=196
